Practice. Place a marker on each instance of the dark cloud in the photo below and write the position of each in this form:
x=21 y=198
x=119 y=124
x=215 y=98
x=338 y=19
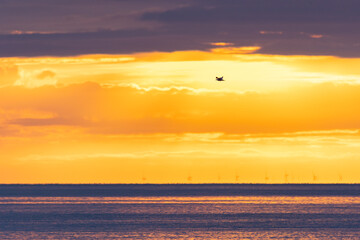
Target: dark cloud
x=74 y=16
x=243 y=21
x=262 y=11
x=105 y=41
x=39 y=27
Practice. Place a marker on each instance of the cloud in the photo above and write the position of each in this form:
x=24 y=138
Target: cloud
x=271 y=32
x=278 y=22
x=19 y=32
x=106 y=110
x=41 y=121
x=221 y=44
x=46 y=74
x=316 y=36
x=137 y=155
x=67 y=16
x=119 y=27
x=36 y=78
x=103 y=41
x=261 y=12
x=236 y=50
x=188 y=70
x=9 y=73
x=305 y=137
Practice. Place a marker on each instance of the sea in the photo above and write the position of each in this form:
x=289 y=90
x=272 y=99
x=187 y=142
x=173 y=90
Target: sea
x=180 y=211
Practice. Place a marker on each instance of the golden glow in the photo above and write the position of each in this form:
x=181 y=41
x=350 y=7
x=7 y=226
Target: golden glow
x=271 y=32
x=161 y=117
x=221 y=44
x=235 y=50
x=316 y=36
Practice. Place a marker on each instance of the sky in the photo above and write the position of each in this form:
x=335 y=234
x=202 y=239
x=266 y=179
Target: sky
x=124 y=91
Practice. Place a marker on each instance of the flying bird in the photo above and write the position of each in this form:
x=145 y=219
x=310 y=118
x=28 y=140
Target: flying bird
x=220 y=78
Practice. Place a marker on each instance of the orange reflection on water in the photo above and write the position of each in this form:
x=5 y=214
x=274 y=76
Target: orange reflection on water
x=184 y=200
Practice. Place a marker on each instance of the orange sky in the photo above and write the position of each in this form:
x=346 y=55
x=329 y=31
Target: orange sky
x=161 y=117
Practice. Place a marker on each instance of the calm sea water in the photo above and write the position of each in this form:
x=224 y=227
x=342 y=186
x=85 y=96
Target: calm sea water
x=180 y=211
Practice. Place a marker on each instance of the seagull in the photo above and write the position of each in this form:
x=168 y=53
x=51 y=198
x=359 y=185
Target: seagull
x=220 y=79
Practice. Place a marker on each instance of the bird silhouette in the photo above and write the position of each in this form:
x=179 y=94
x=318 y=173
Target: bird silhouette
x=220 y=79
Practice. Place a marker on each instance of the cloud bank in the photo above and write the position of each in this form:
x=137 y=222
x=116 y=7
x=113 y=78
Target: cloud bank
x=117 y=27
x=130 y=110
